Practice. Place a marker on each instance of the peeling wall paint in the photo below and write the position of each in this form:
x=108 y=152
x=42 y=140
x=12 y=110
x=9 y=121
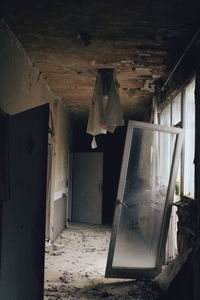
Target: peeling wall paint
x=62 y=156
x=22 y=87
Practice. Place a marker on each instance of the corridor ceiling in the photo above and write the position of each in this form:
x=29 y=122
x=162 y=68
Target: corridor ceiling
x=69 y=40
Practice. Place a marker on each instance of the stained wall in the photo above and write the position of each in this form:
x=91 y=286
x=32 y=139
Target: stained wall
x=22 y=87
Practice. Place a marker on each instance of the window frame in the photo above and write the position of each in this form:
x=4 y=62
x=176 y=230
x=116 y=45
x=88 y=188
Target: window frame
x=180 y=124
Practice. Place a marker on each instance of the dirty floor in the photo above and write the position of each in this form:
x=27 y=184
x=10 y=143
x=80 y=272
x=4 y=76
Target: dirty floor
x=75 y=267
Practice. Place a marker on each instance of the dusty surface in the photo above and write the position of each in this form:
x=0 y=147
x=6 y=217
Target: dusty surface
x=75 y=268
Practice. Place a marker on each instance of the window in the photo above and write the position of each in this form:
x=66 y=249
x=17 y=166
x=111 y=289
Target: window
x=176 y=110
x=181 y=113
x=165 y=116
x=189 y=144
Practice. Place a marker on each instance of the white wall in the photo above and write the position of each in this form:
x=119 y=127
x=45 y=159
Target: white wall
x=22 y=88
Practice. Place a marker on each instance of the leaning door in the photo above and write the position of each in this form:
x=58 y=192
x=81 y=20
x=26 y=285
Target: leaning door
x=23 y=208
x=144 y=200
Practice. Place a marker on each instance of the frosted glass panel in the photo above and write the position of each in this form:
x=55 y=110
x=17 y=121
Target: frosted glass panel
x=165 y=116
x=176 y=110
x=145 y=190
x=189 y=145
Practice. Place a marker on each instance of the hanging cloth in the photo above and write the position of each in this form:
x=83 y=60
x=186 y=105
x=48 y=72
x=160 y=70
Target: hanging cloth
x=105 y=110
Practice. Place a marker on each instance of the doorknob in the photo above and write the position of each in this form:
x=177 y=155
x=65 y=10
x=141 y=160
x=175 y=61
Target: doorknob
x=122 y=203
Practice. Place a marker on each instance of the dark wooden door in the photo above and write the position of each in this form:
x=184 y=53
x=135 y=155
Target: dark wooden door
x=23 y=206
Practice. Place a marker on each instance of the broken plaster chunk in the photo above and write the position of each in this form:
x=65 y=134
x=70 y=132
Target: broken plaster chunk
x=149 y=86
x=164 y=279
x=155 y=76
x=143 y=70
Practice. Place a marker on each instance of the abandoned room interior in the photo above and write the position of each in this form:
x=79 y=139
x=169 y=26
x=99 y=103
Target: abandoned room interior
x=100 y=150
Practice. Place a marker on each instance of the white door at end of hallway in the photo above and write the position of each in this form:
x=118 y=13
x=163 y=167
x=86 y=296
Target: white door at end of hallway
x=87 y=188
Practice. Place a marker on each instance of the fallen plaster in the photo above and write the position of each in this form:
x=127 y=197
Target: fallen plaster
x=149 y=86
x=75 y=267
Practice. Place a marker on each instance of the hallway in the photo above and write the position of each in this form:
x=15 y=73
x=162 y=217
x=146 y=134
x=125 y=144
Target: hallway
x=77 y=61
x=75 y=267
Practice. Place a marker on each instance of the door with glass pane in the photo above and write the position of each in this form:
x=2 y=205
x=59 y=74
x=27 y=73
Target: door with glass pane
x=144 y=199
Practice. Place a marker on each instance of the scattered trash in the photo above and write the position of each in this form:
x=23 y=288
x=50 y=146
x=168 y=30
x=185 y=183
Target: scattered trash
x=56 y=253
x=77 y=270
x=49 y=244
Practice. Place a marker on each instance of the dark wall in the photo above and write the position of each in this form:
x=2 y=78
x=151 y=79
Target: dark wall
x=3 y=168
x=184 y=70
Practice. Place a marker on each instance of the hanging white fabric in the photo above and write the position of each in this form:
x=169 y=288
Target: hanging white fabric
x=105 y=110
x=94 y=144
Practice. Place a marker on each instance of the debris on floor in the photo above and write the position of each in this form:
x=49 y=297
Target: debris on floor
x=75 y=269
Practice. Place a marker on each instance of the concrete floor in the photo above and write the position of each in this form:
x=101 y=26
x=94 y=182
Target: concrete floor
x=75 y=267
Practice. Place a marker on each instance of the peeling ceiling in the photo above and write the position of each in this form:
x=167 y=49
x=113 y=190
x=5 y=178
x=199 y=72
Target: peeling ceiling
x=69 y=40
